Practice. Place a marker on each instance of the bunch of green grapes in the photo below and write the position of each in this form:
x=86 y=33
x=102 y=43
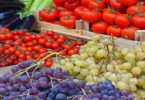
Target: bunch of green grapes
x=101 y=59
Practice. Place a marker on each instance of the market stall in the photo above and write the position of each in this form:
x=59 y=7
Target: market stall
x=72 y=50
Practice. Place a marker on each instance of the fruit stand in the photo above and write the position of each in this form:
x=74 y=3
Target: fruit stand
x=72 y=50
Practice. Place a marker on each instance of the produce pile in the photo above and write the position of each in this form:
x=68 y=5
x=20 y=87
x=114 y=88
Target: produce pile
x=20 y=45
x=28 y=83
x=117 y=18
x=101 y=60
x=16 y=14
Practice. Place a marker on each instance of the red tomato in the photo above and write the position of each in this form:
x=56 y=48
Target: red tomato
x=59 y=2
x=91 y=16
x=65 y=13
x=28 y=39
x=36 y=48
x=128 y=2
x=2 y=37
x=78 y=12
x=48 y=62
x=139 y=21
x=109 y=16
x=116 y=4
x=134 y=9
x=42 y=50
x=106 y=1
x=68 y=21
x=60 y=41
x=9 y=36
x=122 y=20
x=48 y=14
x=50 y=33
x=55 y=45
x=67 y=47
x=114 y=31
x=71 y=1
x=129 y=32
x=48 y=44
x=12 y=50
x=85 y=2
x=42 y=41
x=72 y=6
x=99 y=27
x=76 y=50
x=71 y=52
x=4 y=30
x=96 y=5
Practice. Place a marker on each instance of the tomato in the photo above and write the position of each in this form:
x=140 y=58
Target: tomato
x=116 y=4
x=134 y=9
x=50 y=33
x=96 y=5
x=65 y=13
x=48 y=14
x=36 y=48
x=71 y=52
x=4 y=30
x=68 y=21
x=21 y=56
x=85 y=2
x=60 y=8
x=55 y=45
x=99 y=27
x=42 y=50
x=114 y=31
x=56 y=36
x=28 y=39
x=129 y=32
x=76 y=50
x=109 y=16
x=106 y=1
x=9 y=36
x=91 y=16
x=48 y=62
x=128 y=2
x=48 y=44
x=60 y=41
x=28 y=56
x=67 y=47
x=59 y=2
x=72 y=6
x=78 y=12
x=122 y=20
x=42 y=41
x=61 y=36
x=17 y=53
x=12 y=50
x=139 y=21
x=30 y=44
x=71 y=1
x=2 y=37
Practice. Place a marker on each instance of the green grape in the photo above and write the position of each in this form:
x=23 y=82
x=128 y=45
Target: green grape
x=122 y=85
x=76 y=69
x=91 y=43
x=96 y=38
x=133 y=81
x=130 y=56
x=84 y=56
x=124 y=51
x=113 y=77
x=69 y=66
x=136 y=71
x=101 y=53
x=132 y=88
x=80 y=63
x=91 y=66
x=141 y=64
x=84 y=72
x=94 y=72
x=126 y=66
x=110 y=68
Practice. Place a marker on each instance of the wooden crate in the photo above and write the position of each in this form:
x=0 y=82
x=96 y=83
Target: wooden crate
x=84 y=33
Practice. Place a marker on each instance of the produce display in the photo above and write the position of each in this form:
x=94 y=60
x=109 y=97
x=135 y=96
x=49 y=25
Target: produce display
x=101 y=60
x=17 y=46
x=48 y=63
x=116 y=18
x=28 y=83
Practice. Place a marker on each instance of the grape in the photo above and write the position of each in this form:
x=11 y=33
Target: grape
x=34 y=91
x=43 y=84
x=61 y=97
x=22 y=89
x=37 y=75
x=29 y=97
x=136 y=71
x=15 y=68
x=13 y=80
x=16 y=86
x=24 y=79
x=42 y=95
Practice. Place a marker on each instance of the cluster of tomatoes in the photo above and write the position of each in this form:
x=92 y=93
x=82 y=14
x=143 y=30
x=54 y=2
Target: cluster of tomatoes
x=17 y=46
x=120 y=18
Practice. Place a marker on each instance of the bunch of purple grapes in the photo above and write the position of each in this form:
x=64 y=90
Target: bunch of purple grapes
x=104 y=91
x=35 y=86
x=53 y=84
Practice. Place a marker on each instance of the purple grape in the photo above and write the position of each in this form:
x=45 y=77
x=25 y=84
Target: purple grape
x=2 y=91
x=9 y=88
x=37 y=75
x=9 y=98
x=24 y=79
x=42 y=95
x=16 y=86
x=22 y=89
x=29 y=97
x=58 y=73
x=49 y=98
x=43 y=79
x=111 y=98
x=95 y=98
x=3 y=79
x=43 y=84
x=28 y=85
x=34 y=91
x=105 y=97
x=66 y=72
x=61 y=97
x=15 y=68
x=130 y=97
x=49 y=71
x=35 y=84
x=26 y=63
x=71 y=84
x=80 y=84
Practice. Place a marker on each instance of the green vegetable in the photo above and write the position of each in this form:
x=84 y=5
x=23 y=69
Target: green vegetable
x=36 y=4
x=45 y=3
